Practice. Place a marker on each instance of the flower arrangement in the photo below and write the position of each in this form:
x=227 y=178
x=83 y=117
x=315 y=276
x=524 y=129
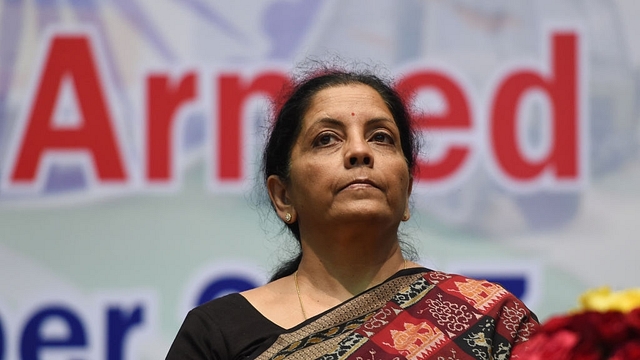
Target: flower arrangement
x=607 y=326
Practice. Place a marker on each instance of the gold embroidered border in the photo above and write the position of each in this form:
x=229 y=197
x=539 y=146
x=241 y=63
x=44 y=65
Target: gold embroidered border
x=358 y=306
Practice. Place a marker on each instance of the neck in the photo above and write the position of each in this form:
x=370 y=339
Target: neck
x=346 y=261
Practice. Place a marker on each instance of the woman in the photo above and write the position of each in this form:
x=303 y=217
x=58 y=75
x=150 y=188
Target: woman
x=338 y=169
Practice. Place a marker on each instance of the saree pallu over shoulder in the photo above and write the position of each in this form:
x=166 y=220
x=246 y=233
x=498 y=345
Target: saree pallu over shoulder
x=414 y=315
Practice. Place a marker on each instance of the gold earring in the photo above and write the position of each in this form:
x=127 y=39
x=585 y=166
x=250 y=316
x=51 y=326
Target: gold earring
x=287 y=218
x=405 y=217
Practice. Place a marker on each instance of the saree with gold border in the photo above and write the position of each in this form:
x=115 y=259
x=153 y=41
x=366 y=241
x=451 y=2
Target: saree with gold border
x=416 y=314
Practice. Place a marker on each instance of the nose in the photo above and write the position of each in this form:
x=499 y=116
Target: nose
x=358 y=153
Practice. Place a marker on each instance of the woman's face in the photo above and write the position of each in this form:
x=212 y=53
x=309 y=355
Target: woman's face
x=347 y=164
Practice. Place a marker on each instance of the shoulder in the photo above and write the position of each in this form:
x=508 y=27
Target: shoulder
x=484 y=295
x=483 y=300
x=215 y=316
x=202 y=333
x=463 y=285
x=270 y=292
x=220 y=329
x=234 y=315
x=218 y=309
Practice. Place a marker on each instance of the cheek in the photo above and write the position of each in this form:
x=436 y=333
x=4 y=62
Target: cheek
x=306 y=179
x=303 y=172
x=403 y=170
x=403 y=182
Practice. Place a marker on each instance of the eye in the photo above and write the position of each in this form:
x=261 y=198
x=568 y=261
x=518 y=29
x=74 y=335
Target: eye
x=382 y=137
x=325 y=139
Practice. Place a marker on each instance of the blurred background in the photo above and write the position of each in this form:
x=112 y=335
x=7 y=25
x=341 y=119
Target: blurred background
x=102 y=258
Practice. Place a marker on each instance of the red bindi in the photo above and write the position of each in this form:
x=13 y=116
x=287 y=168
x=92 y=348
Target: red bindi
x=353 y=114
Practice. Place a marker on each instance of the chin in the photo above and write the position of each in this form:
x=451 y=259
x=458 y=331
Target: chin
x=370 y=215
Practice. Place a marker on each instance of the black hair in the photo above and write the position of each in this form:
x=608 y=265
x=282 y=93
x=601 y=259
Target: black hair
x=287 y=123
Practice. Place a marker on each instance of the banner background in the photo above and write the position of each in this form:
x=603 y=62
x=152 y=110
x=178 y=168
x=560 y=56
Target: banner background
x=156 y=251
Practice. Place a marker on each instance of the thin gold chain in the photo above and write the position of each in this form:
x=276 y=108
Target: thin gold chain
x=295 y=280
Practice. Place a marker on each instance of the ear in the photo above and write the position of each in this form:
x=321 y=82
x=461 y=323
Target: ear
x=407 y=213
x=279 y=196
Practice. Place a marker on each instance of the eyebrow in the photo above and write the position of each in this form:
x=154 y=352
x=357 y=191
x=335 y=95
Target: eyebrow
x=380 y=120
x=325 y=121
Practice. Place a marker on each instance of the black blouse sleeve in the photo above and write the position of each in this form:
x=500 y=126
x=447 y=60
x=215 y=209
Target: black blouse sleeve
x=198 y=339
x=222 y=329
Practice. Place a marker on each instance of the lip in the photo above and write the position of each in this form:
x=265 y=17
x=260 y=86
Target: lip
x=360 y=183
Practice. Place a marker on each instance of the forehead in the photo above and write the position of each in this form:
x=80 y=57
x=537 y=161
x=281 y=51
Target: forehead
x=350 y=99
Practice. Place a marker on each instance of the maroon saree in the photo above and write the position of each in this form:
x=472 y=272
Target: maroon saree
x=423 y=315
